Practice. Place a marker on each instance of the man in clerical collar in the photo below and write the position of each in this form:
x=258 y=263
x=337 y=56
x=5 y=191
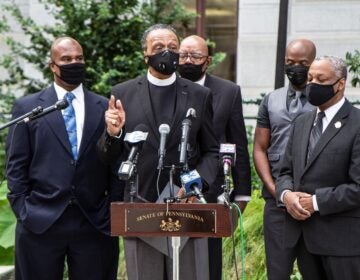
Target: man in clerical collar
x=147 y=102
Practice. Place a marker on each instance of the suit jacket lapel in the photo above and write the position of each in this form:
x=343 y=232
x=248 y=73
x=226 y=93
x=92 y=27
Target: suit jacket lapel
x=340 y=119
x=143 y=95
x=181 y=103
x=55 y=119
x=94 y=113
x=209 y=83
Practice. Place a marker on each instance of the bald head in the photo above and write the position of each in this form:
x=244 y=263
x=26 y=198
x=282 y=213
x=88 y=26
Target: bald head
x=66 y=52
x=194 y=58
x=303 y=48
x=195 y=44
x=63 y=44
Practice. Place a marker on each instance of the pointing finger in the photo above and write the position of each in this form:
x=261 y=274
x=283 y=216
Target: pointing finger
x=112 y=104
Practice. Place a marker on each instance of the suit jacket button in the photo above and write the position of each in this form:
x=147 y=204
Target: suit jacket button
x=72 y=187
x=72 y=162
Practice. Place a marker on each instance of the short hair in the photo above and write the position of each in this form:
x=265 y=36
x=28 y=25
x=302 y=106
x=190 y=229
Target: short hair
x=339 y=65
x=156 y=27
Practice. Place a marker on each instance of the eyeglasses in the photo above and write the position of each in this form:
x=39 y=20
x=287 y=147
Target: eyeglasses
x=194 y=57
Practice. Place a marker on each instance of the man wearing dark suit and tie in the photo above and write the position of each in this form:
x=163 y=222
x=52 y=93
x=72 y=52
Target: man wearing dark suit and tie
x=160 y=97
x=319 y=181
x=59 y=189
x=229 y=127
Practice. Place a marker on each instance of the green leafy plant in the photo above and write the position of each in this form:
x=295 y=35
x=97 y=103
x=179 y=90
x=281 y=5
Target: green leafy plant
x=7 y=228
x=109 y=31
x=353 y=62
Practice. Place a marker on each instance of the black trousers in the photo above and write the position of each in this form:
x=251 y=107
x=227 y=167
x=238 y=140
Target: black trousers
x=215 y=258
x=279 y=260
x=319 y=267
x=89 y=254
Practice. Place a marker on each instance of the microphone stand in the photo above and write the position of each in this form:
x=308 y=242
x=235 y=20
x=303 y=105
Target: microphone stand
x=29 y=115
x=226 y=186
x=134 y=184
x=175 y=240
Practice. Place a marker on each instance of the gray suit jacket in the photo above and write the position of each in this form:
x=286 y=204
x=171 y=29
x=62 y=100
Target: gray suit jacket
x=333 y=175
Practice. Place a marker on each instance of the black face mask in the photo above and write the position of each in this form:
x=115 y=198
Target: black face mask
x=192 y=72
x=164 y=62
x=297 y=74
x=72 y=74
x=318 y=94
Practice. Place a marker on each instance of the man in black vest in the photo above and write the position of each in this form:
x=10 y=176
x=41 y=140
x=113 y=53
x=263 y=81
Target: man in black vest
x=228 y=122
x=160 y=97
x=276 y=113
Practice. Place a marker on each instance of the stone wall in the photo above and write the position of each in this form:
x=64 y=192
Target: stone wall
x=333 y=25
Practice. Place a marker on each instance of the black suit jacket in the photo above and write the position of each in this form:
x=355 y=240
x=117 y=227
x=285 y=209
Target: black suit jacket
x=333 y=174
x=42 y=175
x=229 y=127
x=134 y=95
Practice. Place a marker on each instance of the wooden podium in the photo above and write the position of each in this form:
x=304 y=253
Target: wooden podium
x=174 y=219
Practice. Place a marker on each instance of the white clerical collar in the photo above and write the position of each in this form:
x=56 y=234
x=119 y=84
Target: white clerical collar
x=201 y=82
x=161 y=82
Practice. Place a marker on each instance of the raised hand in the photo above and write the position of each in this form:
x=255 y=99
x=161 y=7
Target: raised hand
x=114 y=117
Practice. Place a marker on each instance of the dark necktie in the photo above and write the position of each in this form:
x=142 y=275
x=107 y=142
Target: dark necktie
x=295 y=105
x=316 y=132
x=70 y=123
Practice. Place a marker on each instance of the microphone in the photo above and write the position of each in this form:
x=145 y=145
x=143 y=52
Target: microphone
x=186 y=125
x=59 y=105
x=135 y=140
x=228 y=156
x=191 y=112
x=191 y=181
x=164 y=130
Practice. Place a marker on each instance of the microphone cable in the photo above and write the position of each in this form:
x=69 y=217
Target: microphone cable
x=157 y=182
x=242 y=243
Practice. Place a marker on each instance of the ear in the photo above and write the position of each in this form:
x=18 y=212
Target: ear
x=342 y=84
x=52 y=66
x=208 y=62
x=146 y=57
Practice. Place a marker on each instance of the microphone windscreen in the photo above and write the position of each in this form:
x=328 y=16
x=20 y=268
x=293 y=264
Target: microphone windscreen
x=61 y=104
x=139 y=134
x=141 y=127
x=186 y=122
x=164 y=128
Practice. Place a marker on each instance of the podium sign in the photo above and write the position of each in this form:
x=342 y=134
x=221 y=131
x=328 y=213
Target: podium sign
x=176 y=219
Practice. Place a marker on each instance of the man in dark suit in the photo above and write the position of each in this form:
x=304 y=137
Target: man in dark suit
x=59 y=189
x=160 y=97
x=229 y=127
x=320 y=177
x=277 y=112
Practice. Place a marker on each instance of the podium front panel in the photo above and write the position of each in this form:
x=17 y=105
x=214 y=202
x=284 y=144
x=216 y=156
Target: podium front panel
x=177 y=219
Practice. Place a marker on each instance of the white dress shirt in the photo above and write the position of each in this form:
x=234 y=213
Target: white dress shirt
x=79 y=107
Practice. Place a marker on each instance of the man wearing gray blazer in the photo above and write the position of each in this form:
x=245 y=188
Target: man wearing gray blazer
x=319 y=181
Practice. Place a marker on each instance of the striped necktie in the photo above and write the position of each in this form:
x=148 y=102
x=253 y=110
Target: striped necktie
x=70 y=123
x=316 y=133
